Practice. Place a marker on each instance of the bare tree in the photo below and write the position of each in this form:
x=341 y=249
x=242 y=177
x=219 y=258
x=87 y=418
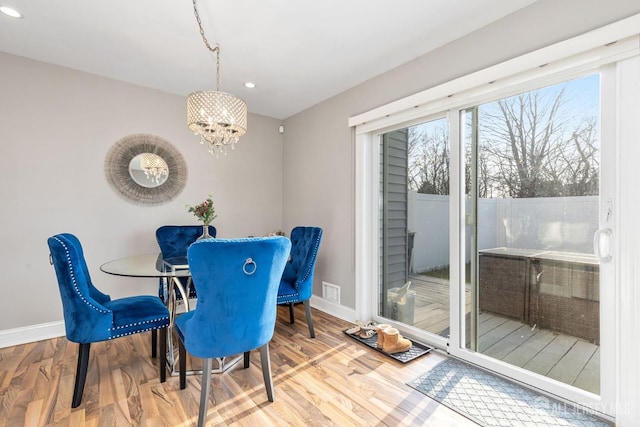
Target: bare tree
x=530 y=145
x=582 y=177
x=535 y=148
x=485 y=183
x=416 y=137
x=429 y=159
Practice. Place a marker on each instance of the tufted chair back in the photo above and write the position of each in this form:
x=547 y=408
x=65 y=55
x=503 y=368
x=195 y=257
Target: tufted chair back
x=297 y=280
x=299 y=270
x=85 y=318
x=174 y=240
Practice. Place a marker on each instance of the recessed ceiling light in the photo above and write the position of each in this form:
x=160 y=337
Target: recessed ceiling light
x=9 y=11
x=250 y=85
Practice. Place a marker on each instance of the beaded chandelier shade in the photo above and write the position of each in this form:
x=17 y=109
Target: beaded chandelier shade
x=219 y=118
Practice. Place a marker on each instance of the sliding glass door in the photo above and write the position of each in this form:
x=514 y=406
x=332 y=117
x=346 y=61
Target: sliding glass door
x=532 y=210
x=515 y=184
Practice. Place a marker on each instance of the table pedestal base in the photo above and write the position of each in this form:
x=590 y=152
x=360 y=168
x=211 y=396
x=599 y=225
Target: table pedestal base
x=221 y=365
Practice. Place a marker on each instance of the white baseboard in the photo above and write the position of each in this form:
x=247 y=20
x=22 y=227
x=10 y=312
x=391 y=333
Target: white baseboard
x=27 y=334
x=45 y=331
x=337 y=310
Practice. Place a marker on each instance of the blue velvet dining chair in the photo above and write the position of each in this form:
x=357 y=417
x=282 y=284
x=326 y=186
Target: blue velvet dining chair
x=237 y=282
x=91 y=316
x=174 y=240
x=297 y=280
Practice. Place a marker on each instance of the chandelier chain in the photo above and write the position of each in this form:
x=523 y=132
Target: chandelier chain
x=215 y=50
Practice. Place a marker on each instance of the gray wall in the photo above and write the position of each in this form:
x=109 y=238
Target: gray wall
x=56 y=126
x=319 y=165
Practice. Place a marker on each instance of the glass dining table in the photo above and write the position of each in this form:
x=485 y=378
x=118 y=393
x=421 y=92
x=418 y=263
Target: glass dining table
x=176 y=276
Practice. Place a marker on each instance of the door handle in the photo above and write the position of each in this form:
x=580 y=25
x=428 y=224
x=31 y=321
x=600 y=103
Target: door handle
x=603 y=244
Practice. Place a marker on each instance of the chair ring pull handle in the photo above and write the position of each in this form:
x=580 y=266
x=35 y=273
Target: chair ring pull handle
x=251 y=270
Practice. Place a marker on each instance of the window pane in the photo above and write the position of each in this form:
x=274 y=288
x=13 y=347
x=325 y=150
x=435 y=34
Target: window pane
x=533 y=191
x=414 y=276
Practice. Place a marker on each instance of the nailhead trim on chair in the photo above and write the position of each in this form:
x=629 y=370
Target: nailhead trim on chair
x=139 y=323
x=288 y=295
x=285 y=298
x=137 y=331
x=73 y=277
x=315 y=254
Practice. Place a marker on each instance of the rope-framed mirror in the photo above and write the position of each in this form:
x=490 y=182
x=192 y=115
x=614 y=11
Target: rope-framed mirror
x=145 y=169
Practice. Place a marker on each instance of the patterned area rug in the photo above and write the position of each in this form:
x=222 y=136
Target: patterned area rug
x=493 y=401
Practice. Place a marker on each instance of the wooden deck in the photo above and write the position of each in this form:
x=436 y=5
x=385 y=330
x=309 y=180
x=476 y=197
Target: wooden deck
x=562 y=357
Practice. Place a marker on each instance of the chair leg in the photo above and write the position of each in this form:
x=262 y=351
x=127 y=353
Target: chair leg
x=265 y=360
x=292 y=319
x=81 y=374
x=204 y=392
x=307 y=311
x=163 y=353
x=182 y=364
x=154 y=343
x=247 y=359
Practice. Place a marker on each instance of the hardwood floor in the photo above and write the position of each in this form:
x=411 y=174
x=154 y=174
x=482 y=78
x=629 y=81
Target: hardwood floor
x=331 y=380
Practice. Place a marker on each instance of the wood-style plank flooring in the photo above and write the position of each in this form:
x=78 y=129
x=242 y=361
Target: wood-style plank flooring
x=331 y=380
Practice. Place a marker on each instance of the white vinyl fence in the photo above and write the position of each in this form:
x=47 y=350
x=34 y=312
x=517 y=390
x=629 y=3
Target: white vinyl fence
x=553 y=223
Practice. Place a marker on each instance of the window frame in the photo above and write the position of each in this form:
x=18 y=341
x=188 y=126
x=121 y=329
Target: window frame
x=572 y=58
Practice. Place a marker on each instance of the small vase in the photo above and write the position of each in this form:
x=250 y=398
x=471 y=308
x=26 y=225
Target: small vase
x=205 y=232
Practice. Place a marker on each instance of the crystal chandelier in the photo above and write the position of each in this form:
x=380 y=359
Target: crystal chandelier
x=154 y=167
x=219 y=118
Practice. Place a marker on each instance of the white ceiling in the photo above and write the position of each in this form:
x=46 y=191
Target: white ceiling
x=297 y=52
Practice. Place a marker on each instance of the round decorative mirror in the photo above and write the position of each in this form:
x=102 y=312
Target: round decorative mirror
x=146 y=169
x=149 y=170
